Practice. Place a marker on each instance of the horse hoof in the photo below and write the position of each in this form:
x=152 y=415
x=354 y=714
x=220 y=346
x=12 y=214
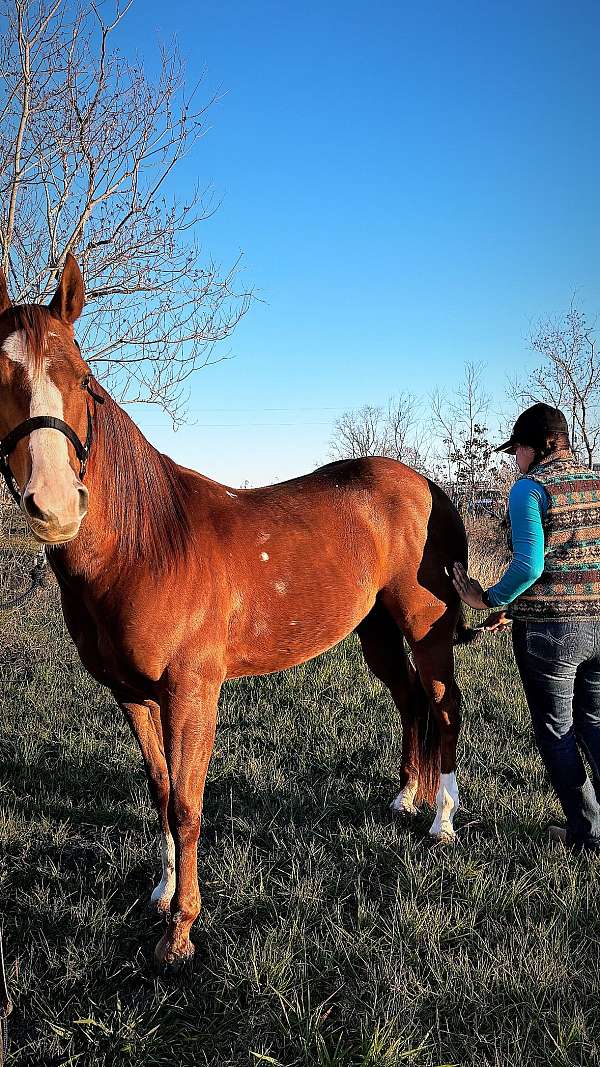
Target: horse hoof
x=170 y=960
x=402 y=806
x=442 y=837
x=175 y=967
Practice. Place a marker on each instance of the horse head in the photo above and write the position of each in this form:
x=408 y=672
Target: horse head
x=44 y=408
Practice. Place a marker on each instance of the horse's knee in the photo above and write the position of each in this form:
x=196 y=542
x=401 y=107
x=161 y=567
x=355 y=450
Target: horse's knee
x=184 y=818
x=158 y=783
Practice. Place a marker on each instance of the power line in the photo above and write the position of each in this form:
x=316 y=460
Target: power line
x=313 y=407
x=234 y=425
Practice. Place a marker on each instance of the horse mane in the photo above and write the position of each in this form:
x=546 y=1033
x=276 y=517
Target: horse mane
x=143 y=495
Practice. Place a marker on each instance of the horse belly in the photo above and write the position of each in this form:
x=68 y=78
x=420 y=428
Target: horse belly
x=286 y=628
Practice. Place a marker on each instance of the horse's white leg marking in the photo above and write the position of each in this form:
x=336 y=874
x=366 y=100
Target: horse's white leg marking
x=163 y=892
x=405 y=801
x=447 y=805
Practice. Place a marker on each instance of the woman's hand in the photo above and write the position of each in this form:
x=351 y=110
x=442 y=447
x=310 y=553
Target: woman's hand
x=496 y=622
x=467 y=588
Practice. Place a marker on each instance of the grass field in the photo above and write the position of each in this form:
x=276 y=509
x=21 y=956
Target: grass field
x=331 y=933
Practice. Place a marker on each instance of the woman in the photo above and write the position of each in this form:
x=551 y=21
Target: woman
x=552 y=587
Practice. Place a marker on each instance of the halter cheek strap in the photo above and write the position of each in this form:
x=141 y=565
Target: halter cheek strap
x=46 y=422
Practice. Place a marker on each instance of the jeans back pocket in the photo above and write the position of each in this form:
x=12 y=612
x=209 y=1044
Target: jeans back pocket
x=551 y=640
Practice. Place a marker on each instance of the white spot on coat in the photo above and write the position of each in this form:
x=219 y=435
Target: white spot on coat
x=280 y=587
x=231 y=494
x=264 y=556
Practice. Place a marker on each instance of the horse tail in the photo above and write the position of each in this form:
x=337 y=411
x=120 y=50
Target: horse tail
x=426 y=744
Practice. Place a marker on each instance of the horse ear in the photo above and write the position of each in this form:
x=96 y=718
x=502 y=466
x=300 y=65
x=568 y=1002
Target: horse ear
x=5 y=301
x=67 y=302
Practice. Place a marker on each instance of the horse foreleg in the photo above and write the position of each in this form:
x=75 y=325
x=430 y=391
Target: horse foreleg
x=144 y=720
x=188 y=715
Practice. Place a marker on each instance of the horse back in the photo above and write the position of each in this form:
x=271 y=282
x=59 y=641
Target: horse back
x=303 y=561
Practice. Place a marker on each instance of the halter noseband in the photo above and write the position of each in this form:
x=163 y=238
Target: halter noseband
x=47 y=422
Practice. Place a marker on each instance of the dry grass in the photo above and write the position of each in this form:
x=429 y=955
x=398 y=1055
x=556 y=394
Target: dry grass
x=331 y=933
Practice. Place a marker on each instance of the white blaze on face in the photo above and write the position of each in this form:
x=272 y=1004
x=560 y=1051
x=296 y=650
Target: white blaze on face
x=53 y=483
x=447 y=802
x=163 y=893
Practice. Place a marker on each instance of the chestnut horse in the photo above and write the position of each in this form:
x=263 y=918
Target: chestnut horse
x=172 y=583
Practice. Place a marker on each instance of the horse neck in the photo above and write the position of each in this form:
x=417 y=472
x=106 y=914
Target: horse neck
x=137 y=516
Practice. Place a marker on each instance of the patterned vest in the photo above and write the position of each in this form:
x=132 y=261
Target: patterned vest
x=569 y=587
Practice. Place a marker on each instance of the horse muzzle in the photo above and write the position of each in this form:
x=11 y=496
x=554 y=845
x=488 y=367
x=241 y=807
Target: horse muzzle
x=55 y=518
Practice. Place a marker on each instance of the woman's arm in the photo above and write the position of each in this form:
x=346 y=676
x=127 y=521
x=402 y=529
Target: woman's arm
x=527 y=505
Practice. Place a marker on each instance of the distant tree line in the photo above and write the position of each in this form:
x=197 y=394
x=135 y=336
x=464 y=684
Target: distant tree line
x=446 y=434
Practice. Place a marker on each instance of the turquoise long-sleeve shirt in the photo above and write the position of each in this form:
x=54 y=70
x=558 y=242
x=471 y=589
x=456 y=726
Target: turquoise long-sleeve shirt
x=527 y=506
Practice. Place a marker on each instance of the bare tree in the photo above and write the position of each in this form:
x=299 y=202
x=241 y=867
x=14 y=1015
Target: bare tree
x=358 y=433
x=568 y=378
x=459 y=425
x=88 y=146
x=395 y=431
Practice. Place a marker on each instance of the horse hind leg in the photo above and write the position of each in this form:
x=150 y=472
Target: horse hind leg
x=382 y=647
x=435 y=664
x=420 y=762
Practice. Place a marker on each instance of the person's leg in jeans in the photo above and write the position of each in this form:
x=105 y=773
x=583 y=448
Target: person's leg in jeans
x=548 y=655
x=586 y=708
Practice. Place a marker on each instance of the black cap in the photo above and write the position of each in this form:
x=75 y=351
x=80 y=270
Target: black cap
x=532 y=426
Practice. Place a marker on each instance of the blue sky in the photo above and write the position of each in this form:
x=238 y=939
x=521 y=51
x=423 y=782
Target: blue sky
x=412 y=186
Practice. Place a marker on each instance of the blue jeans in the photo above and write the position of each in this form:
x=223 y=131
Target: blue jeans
x=559 y=664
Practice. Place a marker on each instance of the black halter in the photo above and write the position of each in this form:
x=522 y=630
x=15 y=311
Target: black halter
x=47 y=422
